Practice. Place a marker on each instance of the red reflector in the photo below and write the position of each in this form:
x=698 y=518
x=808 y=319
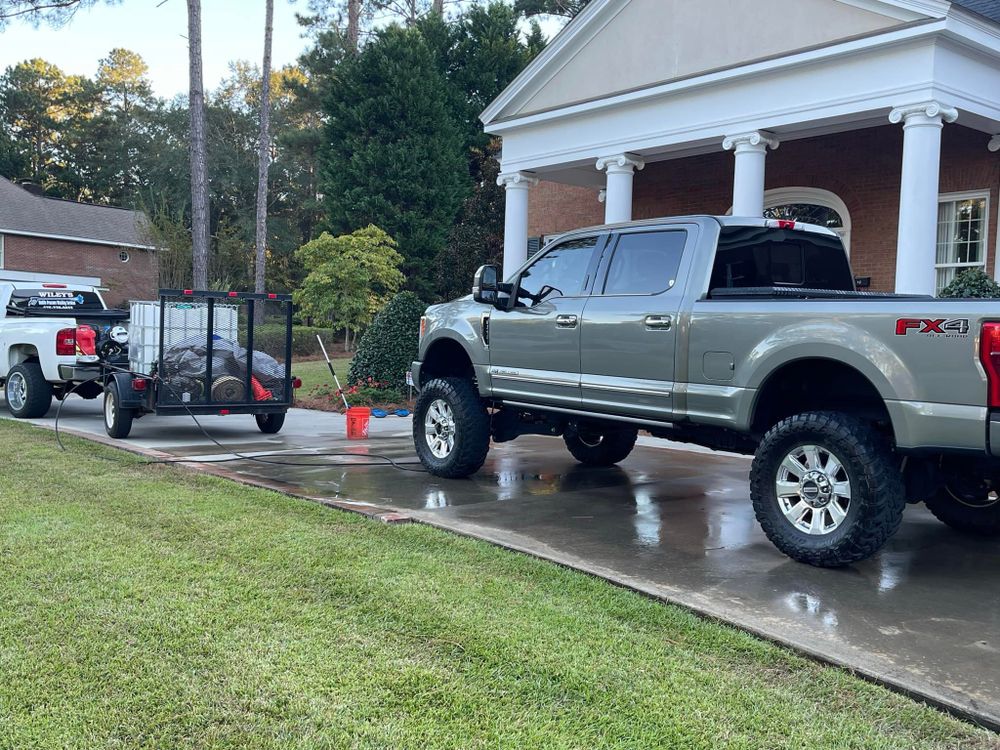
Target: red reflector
x=989 y=355
x=138 y=384
x=272 y=296
x=66 y=342
x=53 y=286
x=296 y=382
x=86 y=341
x=234 y=294
x=223 y=412
x=188 y=291
x=786 y=224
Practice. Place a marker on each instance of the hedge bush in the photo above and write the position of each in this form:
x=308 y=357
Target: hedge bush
x=270 y=338
x=972 y=283
x=389 y=345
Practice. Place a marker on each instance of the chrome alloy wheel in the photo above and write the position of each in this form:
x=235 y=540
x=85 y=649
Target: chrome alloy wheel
x=439 y=428
x=17 y=391
x=813 y=490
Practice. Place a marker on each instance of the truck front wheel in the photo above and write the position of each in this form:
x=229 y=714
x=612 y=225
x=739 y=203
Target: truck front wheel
x=451 y=429
x=826 y=489
x=28 y=393
x=600 y=447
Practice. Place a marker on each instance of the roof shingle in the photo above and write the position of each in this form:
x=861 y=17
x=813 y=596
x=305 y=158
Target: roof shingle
x=25 y=213
x=987 y=8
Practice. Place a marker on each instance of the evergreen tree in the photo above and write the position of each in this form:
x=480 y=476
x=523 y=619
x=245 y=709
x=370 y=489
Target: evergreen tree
x=393 y=154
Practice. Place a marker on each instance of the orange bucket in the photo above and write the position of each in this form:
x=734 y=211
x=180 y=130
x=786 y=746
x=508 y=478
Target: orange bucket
x=357 y=422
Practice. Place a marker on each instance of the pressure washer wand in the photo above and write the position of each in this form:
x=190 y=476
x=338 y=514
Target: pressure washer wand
x=335 y=378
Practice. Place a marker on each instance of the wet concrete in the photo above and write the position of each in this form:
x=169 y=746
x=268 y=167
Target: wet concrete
x=923 y=615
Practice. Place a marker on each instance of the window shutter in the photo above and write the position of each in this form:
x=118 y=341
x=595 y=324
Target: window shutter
x=534 y=245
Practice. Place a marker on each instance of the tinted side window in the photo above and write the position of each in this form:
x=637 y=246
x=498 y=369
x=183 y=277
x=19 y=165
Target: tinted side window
x=562 y=269
x=645 y=262
x=764 y=257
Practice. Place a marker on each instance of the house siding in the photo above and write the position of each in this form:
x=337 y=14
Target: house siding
x=862 y=167
x=135 y=280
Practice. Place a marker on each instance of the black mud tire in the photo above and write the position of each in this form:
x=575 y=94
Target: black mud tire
x=877 y=490
x=471 y=428
x=270 y=424
x=953 y=509
x=117 y=420
x=36 y=398
x=600 y=448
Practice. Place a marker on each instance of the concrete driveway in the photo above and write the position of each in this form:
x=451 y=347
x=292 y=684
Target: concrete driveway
x=923 y=616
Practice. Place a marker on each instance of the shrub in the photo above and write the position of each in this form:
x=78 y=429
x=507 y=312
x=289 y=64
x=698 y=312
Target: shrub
x=390 y=344
x=270 y=338
x=971 y=283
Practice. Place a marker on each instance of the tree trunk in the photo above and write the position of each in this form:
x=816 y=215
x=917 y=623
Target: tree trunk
x=354 y=24
x=263 y=158
x=199 y=166
x=438 y=7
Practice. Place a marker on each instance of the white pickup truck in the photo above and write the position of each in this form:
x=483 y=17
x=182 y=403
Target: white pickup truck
x=53 y=338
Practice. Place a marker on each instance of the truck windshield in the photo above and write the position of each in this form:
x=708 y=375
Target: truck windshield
x=41 y=301
x=765 y=257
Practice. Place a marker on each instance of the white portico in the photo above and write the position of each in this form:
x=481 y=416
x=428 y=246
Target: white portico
x=641 y=99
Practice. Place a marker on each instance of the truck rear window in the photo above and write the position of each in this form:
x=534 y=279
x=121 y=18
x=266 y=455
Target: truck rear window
x=764 y=257
x=28 y=301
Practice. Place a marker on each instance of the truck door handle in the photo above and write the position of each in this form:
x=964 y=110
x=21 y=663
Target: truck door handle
x=659 y=322
x=566 y=321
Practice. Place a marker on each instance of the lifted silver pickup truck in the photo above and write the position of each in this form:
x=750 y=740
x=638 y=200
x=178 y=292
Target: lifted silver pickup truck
x=737 y=334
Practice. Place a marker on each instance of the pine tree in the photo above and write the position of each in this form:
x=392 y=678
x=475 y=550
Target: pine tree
x=394 y=154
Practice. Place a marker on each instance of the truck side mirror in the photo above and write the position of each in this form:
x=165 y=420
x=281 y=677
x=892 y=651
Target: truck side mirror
x=485 y=285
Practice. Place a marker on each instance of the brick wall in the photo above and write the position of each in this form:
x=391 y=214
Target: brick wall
x=136 y=279
x=862 y=167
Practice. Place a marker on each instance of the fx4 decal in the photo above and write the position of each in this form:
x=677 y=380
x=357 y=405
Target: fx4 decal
x=939 y=327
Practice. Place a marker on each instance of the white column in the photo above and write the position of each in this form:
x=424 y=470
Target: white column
x=916 y=243
x=750 y=151
x=515 y=223
x=618 y=193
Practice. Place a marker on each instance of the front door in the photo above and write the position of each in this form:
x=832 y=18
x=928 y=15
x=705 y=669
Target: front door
x=630 y=325
x=535 y=346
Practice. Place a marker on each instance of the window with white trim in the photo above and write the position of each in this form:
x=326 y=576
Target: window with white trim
x=1 y=251
x=963 y=228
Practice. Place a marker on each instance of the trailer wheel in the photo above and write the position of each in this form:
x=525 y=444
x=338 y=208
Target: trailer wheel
x=600 y=447
x=270 y=424
x=28 y=393
x=451 y=429
x=826 y=489
x=117 y=420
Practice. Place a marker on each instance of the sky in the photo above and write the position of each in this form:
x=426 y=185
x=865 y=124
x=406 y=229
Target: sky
x=231 y=30
x=157 y=30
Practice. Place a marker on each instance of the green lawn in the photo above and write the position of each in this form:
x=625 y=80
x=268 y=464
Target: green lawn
x=151 y=607
x=315 y=372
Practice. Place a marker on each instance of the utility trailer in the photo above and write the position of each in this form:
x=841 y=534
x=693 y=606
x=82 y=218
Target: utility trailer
x=213 y=357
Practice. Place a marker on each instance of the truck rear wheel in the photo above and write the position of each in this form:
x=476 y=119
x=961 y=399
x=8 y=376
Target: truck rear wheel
x=28 y=393
x=968 y=504
x=451 y=429
x=117 y=420
x=826 y=489
x=600 y=447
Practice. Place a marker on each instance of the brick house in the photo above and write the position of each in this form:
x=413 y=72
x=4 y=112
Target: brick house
x=886 y=113
x=44 y=237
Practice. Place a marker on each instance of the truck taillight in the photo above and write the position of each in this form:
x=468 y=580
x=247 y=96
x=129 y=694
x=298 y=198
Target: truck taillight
x=66 y=342
x=989 y=355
